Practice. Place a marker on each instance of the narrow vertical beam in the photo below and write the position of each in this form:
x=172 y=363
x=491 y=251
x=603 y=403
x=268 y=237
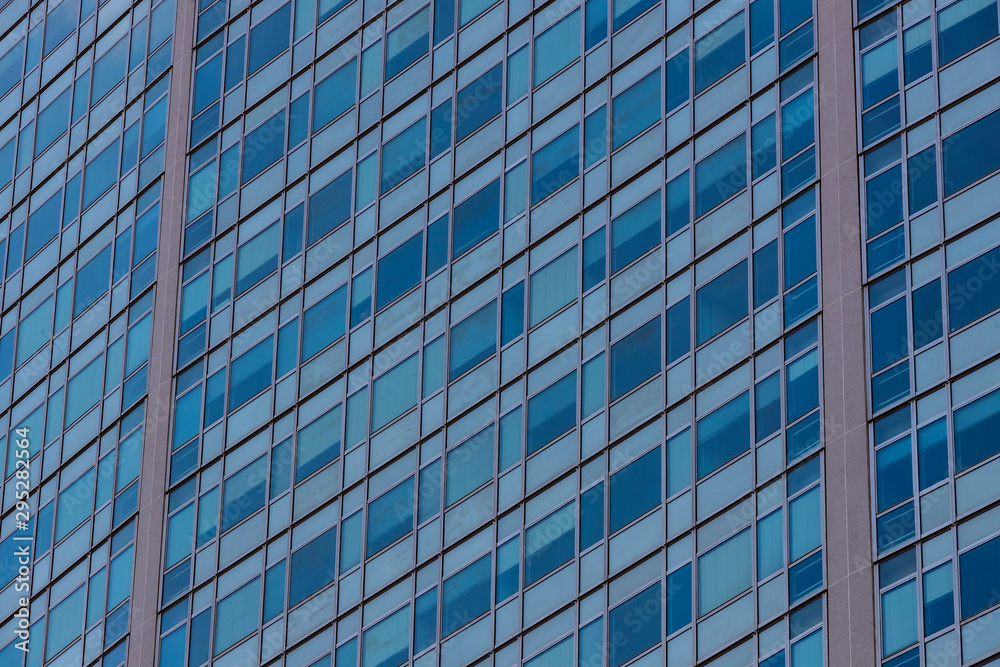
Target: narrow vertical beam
x=850 y=612
x=156 y=440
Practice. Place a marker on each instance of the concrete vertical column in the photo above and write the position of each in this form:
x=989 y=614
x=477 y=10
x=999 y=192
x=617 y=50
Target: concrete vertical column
x=851 y=608
x=159 y=405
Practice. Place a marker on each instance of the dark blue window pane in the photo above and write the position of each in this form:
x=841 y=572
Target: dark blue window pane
x=719 y=53
x=963 y=26
x=335 y=94
x=429 y=491
x=678 y=329
x=257 y=258
x=976 y=428
x=805 y=577
x=678 y=203
x=109 y=70
x=11 y=65
x=884 y=200
x=478 y=102
x=927 y=325
x=678 y=80
x=328 y=8
x=891 y=386
x=979 y=577
x=802 y=385
x=802 y=437
x=234 y=62
x=921 y=176
x=291 y=243
x=866 y=7
x=632 y=636
x=917 y=56
x=971 y=153
x=312 y=567
x=776 y=660
x=390 y=516
x=722 y=302
x=512 y=317
x=404 y=154
x=679 y=599
x=767 y=399
x=270 y=37
x=251 y=372
x=329 y=208
x=635 y=489
x=797 y=124
x=724 y=434
x=597 y=22
x=879 y=73
x=893 y=474
x=635 y=232
x=939 y=599
x=444 y=20
x=895 y=527
x=43 y=225
x=800 y=252
x=476 y=218
x=466 y=595
x=407 y=43
x=274 y=592
x=794 y=47
x=763 y=136
x=969 y=294
x=720 y=175
x=101 y=174
x=626 y=10
x=207 y=84
x=324 y=323
x=635 y=358
x=765 y=274
x=592 y=516
x=794 y=12
x=298 y=120
x=399 y=271
x=92 y=281
x=425 y=620
x=932 y=457
x=264 y=146
x=635 y=109
x=473 y=340
x=555 y=164
x=52 y=122
x=798 y=171
x=437 y=244
x=594 y=258
x=880 y=121
x=550 y=543
x=551 y=412
x=761 y=24
x=886 y=250
x=440 y=139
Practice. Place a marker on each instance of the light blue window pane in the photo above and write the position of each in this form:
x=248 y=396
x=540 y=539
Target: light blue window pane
x=64 y=624
x=720 y=175
x=635 y=489
x=963 y=26
x=592 y=642
x=899 y=618
x=11 y=66
x=76 y=503
x=109 y=70
x=979 y=577
x=557 y=47
x=879 y=73
x=966 y=303
x=244 y=493
x=399 y=271
x=976 y=426
x=350 y=542
x=517 y=81
x=179 y=536
x=804 y=523
x=264 y=146
x=236 y=616
x=433 y=366
x=257 y=258
x=92 y=281
x=251 y=373
x=635 y=358
x=407 y=43
x=187 y=416
x=560 y=654
x=809 y=651
x=917 y=57
x=404 y=154
x=802 y=385
x=80 y=394
x=324 y=323
x=555 y=164
x=636 y=638
x=763 y=137
x=53 y=121
x=208 y=511
x=329 y=208
x=724 y=434
x=390 y=516
x=466 y=595
x=549 y=543
x=274 y=590
x=551 y=412
x=470 y=9
x=312 y=567
x=318 y=444
x=470 y=465
x=719 y=52
x=335 y=94
x=101 y=174
x=473 y=340
x=476 y=218
x=386 y=644
x=932 y=459
x=723 y=302
x=270 y=37
x=508 y=568
x=724 y=572
x=429 y=491
x=893 y=474
x=394 y=392
x=553 y=286
x=635 y=232
x=770 y=544
x=635 y=109
x=679 y=462
x=939 y=599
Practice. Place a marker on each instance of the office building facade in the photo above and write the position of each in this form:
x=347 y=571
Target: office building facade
x=582 y=332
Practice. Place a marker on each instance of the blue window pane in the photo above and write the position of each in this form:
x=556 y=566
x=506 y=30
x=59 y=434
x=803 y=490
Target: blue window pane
x=274 y=591
x=207 y=84
x=805 y=577
x=969 y=297
x=390 y=516
x=508 y=568
x=92 y=281
x=324 y=323
x=939 y=599
x=318 y=444
x=635 y=358
x=800 y=252
x=765 y=274
x=763 y=136
x=11 y=65
x=257 y=258
x=236 y=616
x=406 y=43
x=722 y=302
x=770 y=544
x=512 y=316
x=557 y=47
x=549 y=543
x=473 y=340
x=889 y=335
x=725 y=572
x=109 y=70
x=979 y=577
x=386 y=644
x=678 y=203
x=796 y=46
x=917 y=56
x=719 y=52
x=879 y=73
x=399 y=271
x=794 y=12
x=429 y=491
x=444 y=20
x=976 y=426
x=724 y=434
x=264 y=146
x=767 y=401
x=329 y=208
x=886 y=250
x=932 y=452
x=635 y=232
x=350 y=542
x=251 y=372
x=235 y=55
x=801 y=302
x=555 y=164
x=635 y=489
x=803 y=437
x=594 y=259
x=884 y=201
x=551 y=413
x=679 y=596
x=591 y=516
x=720 y=175
x=43 y=225
x=678 y=80
x=597 y=22
x=921 y=176
x=425 y=620
x=963 y=26
x=635 y=109
x=477 y=218
x=927 y=325
x=797 y=124
x=335 y=94
x=626 y=10
x=866 y=7
x=312 y=567
x=440 y=138
x=893 y=477
x=895 y=527
x=678 y=330
x=437 y=245
x=635 y=637
x=243 y=493
x=466 y=595
x=270 y=37
x=328 y=8
x=101 y=174
x=802 y=385
x=394 y=392
x=470 y=465
x=880 y=121
x=404 y=154
x=478 y=102
x=899 y=618
x=53 y=121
